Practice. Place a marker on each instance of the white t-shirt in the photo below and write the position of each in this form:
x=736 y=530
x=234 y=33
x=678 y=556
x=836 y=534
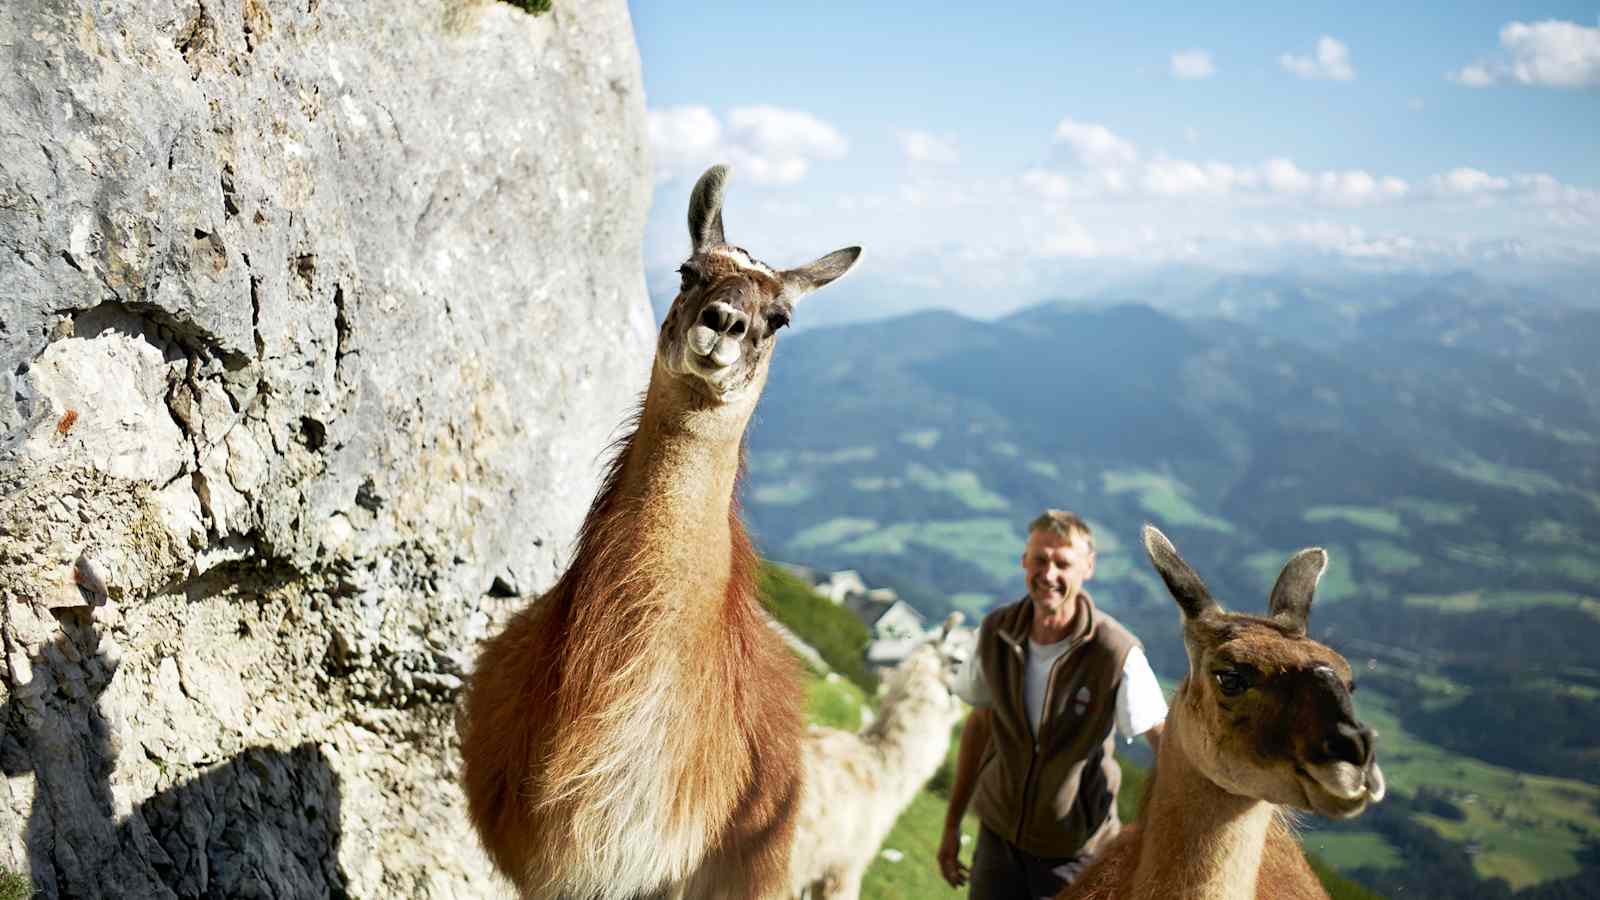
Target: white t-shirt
x=1140 y=703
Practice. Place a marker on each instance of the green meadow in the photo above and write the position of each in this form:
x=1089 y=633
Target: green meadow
x=1364 y=516
x=1165 y=498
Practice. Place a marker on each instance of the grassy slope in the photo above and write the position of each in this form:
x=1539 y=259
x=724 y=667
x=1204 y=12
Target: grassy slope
x=835 y=632
x=14 y=886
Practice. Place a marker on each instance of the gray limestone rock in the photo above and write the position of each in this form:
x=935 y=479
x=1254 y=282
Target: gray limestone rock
x=315 y=320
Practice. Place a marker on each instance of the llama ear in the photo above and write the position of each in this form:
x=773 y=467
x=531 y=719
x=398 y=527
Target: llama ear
x=799 y=282
x=950 y=623
x=1186 y=587
x=705 y=209
x=1297 y=585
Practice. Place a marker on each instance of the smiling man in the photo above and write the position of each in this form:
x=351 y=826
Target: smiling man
x=1051 y=680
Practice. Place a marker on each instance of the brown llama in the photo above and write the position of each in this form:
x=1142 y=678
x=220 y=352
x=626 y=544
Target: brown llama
x=858 y=784
x=636 y=732
x=1263 y=721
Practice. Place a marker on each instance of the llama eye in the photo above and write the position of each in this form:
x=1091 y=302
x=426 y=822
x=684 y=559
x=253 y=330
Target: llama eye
x=1232 y=682
x=777 y=320
x=689 y=276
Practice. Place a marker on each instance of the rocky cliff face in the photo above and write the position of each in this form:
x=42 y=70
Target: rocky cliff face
x=315 y=318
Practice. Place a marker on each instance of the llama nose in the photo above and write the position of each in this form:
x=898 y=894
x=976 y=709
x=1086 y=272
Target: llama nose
x=724 y=319
x=1350 y=742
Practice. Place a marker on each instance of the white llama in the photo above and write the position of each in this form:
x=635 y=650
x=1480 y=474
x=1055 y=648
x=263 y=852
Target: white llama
x=857 y=784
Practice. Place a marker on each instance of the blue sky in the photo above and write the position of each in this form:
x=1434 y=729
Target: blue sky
x=1060 y=143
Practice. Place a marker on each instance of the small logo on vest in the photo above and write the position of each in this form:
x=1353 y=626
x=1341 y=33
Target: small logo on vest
x=1080 y=703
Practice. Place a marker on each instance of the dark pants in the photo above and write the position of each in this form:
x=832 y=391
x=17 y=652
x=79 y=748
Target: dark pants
x=1003 y=872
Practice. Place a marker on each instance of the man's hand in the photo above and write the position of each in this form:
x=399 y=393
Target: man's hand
x=950 y=857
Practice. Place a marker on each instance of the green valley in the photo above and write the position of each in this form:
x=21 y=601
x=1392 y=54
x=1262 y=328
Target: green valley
x=1442 y=477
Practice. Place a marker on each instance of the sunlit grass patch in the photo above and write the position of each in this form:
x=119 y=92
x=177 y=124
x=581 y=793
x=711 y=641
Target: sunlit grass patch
x=783 y=493
x=1337 y=583
x=963 y=484
x=835 y=702
x=1550 y=531
x=1364 y=516
x=14 y=886
x=1478 y=601
x=1480 y=554
x=1164 y=497
x=1112 y=568
x=783 y=462
x=1388 y=558
x=916 y=836
x=1572 y=565
x=1463 y=602
x=992 y=545
x=1047 y=469
x=838 y=457
x=833 y=531
x=974 y=604
x=770 y=461
x=1353 y=849
x=1434 y=512
x=1523 y=481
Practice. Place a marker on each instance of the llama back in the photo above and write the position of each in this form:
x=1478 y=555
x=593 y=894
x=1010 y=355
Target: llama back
x=1103 y=880
x=856 y=785
x=839 y=808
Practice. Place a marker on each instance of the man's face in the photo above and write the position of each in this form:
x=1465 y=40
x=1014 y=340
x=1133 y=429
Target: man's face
x=1056 y=568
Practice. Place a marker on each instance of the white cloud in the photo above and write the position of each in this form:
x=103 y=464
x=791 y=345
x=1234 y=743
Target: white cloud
x=1463 y=181
x=1353 y=241
x=1332 y=61
x=682 y=138
x=1192 y=65
x=1284 y=177
x=1475 y=75
x=1550 y=53
x=1180 y=177
x=1095 y=145
x=767 y=144
x=785 y=132
x=1068 y=239
x=930 y=149
x=1051 y=184
x=1165 y=177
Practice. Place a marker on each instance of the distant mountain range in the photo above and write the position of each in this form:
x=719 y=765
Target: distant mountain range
x=1440 y=436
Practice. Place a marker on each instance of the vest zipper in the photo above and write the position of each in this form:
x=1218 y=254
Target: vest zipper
x=1049 y=688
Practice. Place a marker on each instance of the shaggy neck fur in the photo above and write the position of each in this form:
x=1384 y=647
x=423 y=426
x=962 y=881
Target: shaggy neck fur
x=912 y=733
x=669 y=576
x=1198 y=841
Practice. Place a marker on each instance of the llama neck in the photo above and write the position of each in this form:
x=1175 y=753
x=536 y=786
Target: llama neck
x=1196 y=834
x=677 y=479
x=911 y=736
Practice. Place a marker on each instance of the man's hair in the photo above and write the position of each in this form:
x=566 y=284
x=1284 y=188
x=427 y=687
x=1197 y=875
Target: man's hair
x=1062 y=523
